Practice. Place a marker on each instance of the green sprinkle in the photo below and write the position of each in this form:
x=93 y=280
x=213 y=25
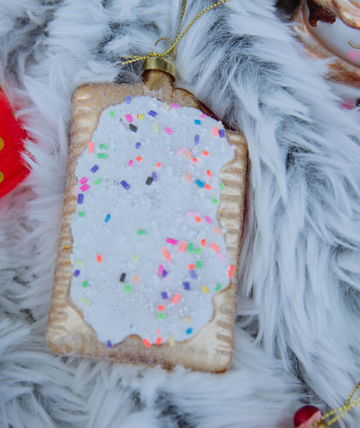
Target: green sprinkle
x=141 y=232
x=111 y=113
x=85 y=284
x=81 y=214
x=98 y=181
x=198 y=264
x=103 y=146
x=198 y=251
x=214 y=200
x=156 y=128
x=222 y=187
x=161 y=316
x=127 y=288
x=191 y=247
x=102 y=155
x=218 y=288
x=85 y=301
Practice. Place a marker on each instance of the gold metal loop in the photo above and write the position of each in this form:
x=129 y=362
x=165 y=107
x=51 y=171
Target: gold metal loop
x=168 y=54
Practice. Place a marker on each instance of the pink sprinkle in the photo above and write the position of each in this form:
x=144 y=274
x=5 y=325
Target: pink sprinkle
x=348 y=104
x=176 y=298
x=134 y=116
x=181 y=151
x=233 y=147
x=130 y=163
x=172 y=241
x=188 y=177
x=193 y=213
x=168 y=130
x=208 y=219
x=174 y=105
x=215 y=247
x=83 y=180
x=182 y=246
x=166 y=254
x=85 y=187
x=128 y=117
x=221 y=257
x=203 y=116
x=215 y=131
x=91 y=147
x=353 y=55
x=160 y=270
x=76 y=190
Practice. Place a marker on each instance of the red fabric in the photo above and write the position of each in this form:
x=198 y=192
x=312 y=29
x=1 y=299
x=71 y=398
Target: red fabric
x=12 y=135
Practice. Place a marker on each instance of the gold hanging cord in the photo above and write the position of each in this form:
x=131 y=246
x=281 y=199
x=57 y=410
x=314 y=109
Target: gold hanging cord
x=179 y=36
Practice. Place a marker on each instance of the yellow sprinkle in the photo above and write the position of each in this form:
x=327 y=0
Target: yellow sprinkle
x=66 y=247
x=140 y=116
x=79 y=263
x=85 y=301
x=171 y=341
x=204 y=289
x=187 y=319
x=134 y=257
x=156 y=128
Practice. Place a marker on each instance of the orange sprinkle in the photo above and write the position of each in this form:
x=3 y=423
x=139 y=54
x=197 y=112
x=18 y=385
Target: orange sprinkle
x=91 y=147
x=146 y=343
x=191 y=266
x=203 y=242
x=188 y=177
x=208 y=173
x=139 y=158
x=217 y=230
x=158 y=341
x=197 y=219
x=208 y=187
x=158 y=165
x=232 y=268
x=215 y=247
x=166 y=254
x=99 y=258
x=176 y=298
x=205 y=153
x=188 y=154
x=195 y=160
x=136 y=278
x=230 y=274
x=161 y=307
x=182 y=246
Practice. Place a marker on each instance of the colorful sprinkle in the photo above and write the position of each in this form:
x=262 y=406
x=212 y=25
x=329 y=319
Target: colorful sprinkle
x=230 y=274
x=182 y=246
x=103 y=146
x=156 y=128
x=161 y=307
x=141 y=232
x=107 y=218
x=191 y=247
x=133 y=128
x=140 y=116
x=85 y=301
x=203 y=115
x=197 y=122
x=91 y=147
x=168 y=130
x=154 y=176
x=85 y=284
x=111 y=113
x=80 y=198
x=128 y=99
x=188 y=177
x=198 y=251
x=127 y=288
x=199 y=183
x=129 y=118
x=171 y=341
x=207 y=187
x=215 y=247
x=146 y=343
x=232 y=268
x=193 y=274
x=165 y=273
x=164 y=295
x=222 y=187
x=84 y=187
x=83 y=180
x=203 y=242
x=160 y=270
x=102 y=155
x=176 y=298
x=222 y=133
x=191 y=266
x=187 y=320
x=180 y=151
x=205 y=153
x=188 y=154
x=204 y=289
x=158 y=341
x=218 y=287
x=131 y=162
x=122 y=277
x=186 y=285
x=166 y=254
x=152 y=113
x=149 y=180
x=208 y=219
x=137 y=145
x=136 y=278
x=76 y=273
x=198 y=264
x=195 y=160
x=198 y=219
x=214 y=200
x=98 y=181
x=189 y=331
x=197 y=139
x=81 y=214
x=99 y=258
x=158 y=165
x=174 y=105
x=79 y=263
x=125 y=185
x=109 y=344
x=208 y=173
x=172 y=241
x=139 y=158
x=215 y=131
x=233 y=147
x=161 y=316
x=217 y=230
x=221 y=257
x=94 y=168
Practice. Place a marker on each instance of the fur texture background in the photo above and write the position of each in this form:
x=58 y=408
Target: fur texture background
x=297 y=335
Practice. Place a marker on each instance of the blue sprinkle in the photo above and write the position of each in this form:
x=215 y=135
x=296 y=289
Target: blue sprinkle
x=152 y=113
x=80 y=198
x=137 y=145
x=94 y=168
x=193 y=274
x=189 y=331
x=128 y=99
x=109 y=344
x=165 y=273
x=125 y=185
x=221 y=133
x=164 y=295
x=200 y=183
x=197 y=122
x=154 y=176
x=107 y=218
x=186 y=285
x=197 y=139
x=76 y=273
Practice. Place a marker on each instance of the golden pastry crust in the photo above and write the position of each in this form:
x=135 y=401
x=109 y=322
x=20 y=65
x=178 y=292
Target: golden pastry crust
x=67 y=333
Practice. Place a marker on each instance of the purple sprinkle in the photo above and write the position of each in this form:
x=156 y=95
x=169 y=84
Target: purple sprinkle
x=154 y=176
x=152 y=113
x=128 y=99
x=94 y=168
x=193 y=274
x=80 y=198
x=186 y=285
x=221 y=133
x=197 y=139
x=164 y=295
x=165 y=272
x=76 y=273
x=137 y=145
x=124 y=185
x=109 y=344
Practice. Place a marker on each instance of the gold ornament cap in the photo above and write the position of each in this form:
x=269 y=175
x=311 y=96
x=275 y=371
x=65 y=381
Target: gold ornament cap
x=160 y=64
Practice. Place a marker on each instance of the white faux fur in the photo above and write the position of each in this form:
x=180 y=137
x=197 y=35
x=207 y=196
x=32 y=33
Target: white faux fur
x=297 y=337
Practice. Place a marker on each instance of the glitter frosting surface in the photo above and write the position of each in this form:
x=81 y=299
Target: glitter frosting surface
x=148 y=252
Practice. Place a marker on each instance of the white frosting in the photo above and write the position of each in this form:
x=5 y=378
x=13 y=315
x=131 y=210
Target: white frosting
x=108 y=222
x=336 y=38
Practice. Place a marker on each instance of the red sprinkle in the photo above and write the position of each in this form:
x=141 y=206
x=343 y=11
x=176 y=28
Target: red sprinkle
x=208 y=173
x=146 y=343
x=99 y=258
x=158 y=165
x=176 y=298
x=191 y=267
x=139 y=158
x=197 y=219
x=203 y=242
x=205 y=153
x=208 y=187
x=161 y=307
x=230 y=274
x=195 y=160
x=232 y=268
x=158 y=341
